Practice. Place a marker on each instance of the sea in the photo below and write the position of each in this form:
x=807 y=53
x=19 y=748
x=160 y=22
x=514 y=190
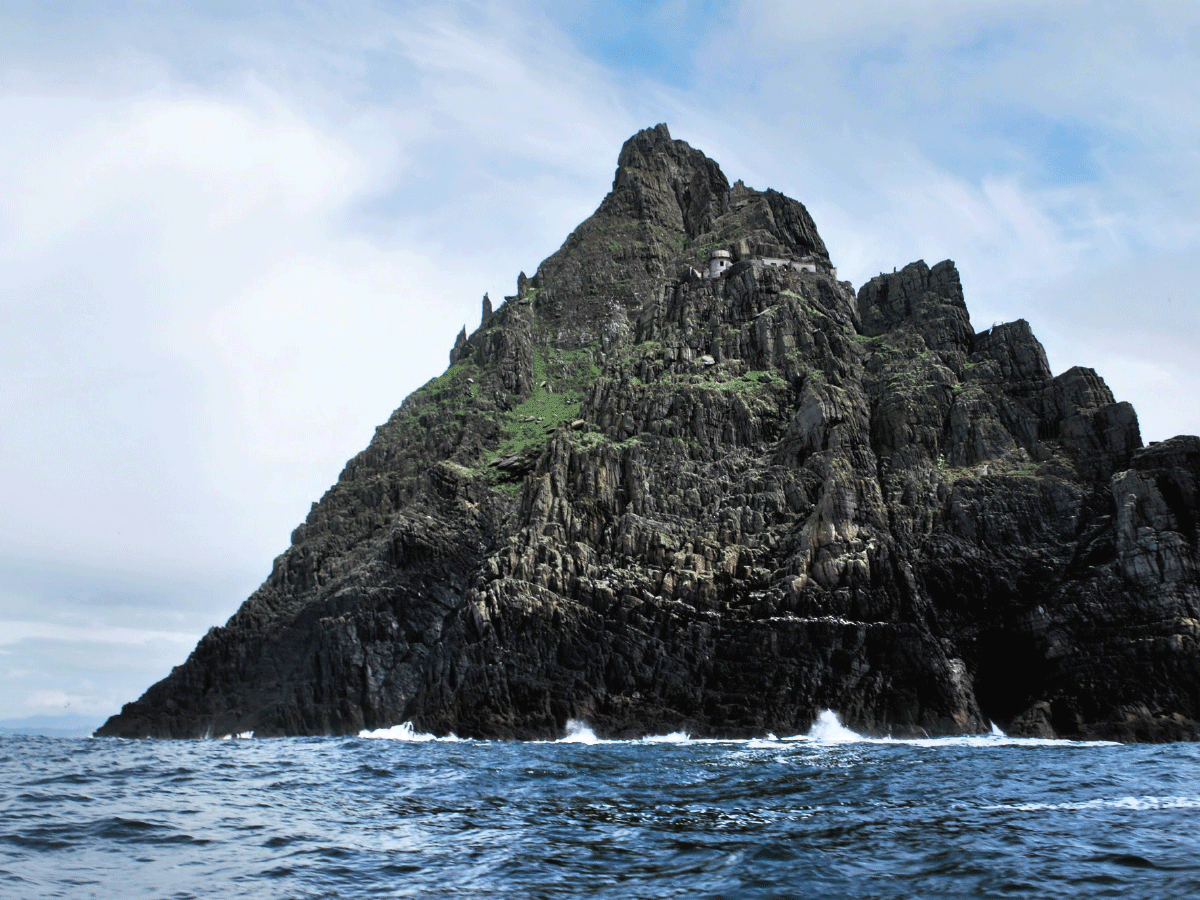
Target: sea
x=396 y=813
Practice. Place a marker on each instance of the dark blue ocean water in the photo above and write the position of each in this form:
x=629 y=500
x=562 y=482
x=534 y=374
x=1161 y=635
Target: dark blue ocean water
x=371 y=817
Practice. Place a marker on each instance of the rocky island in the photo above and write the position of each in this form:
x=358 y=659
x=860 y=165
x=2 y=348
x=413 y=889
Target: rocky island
x=686 y=479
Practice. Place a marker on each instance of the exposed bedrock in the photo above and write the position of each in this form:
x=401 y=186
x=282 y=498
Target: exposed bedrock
x=656 y=500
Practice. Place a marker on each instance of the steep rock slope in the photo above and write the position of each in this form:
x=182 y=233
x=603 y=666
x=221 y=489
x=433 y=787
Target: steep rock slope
x=654 y=500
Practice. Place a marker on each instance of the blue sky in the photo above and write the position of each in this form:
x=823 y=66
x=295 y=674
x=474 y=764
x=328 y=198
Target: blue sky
x=236 y=236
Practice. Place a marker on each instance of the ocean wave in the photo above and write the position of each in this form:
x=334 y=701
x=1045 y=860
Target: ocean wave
x=579 y=732
x=675 y=737
x=1130 y=803
x=754 y=818
x=826 y=729
x=405 y=732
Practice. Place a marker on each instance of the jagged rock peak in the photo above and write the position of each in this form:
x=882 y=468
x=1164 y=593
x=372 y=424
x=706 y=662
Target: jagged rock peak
x=668 y=183
x=669 y=209
x=919 y=297
x=671 y=185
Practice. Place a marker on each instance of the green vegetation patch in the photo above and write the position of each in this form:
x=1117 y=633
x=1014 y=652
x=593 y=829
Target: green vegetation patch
x=559 y=377
x=1029 y=470
x=460 y=379
x=531 y=421
x=991 y=468
x=586 y=440
x=753 y=382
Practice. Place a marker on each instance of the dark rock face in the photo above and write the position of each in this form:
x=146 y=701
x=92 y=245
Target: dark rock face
x=656 y=501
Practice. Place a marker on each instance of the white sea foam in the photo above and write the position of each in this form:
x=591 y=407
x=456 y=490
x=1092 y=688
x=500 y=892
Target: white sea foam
x=995 y=739
x=770 y=742
x=675 y=737
x=1136 y=803
x=403 y=732
x=828 y=729
x=580 y=733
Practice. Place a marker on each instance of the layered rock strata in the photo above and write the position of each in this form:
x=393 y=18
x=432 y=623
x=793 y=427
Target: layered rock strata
x=656 y=501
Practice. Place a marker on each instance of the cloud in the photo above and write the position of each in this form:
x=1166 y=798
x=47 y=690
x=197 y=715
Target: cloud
x=92 y=671
x=93 y=632
x=212 y=293
x=127 y=224
x=43 y=700
x=12 y=632
x=227 y=262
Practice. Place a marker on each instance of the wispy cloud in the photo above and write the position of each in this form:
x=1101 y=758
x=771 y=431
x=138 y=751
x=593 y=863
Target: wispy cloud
x=13 y=632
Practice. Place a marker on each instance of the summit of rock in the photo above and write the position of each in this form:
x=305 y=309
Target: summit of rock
x=685 y=478
x=667 y=183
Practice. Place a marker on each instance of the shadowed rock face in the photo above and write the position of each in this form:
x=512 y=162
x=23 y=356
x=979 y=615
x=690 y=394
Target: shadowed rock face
x=655 y=501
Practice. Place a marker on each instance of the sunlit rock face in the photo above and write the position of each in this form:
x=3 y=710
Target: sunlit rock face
x=653 y=494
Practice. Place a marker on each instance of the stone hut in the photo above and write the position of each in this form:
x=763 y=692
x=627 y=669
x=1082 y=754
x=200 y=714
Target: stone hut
x=718 y=262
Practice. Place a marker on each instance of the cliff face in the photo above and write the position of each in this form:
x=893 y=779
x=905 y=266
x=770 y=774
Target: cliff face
x=656 y=501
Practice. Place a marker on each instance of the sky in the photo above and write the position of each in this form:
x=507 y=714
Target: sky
x=234 y=237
